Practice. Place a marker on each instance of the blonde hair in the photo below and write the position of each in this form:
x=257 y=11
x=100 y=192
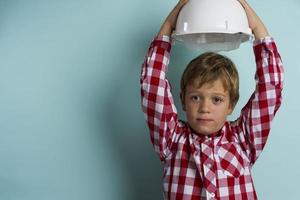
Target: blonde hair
x=209 y=67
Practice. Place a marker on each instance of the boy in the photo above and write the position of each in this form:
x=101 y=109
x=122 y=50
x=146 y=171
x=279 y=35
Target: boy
x=208 y=157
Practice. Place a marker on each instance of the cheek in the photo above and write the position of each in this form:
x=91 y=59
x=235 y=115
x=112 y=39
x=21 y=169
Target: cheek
x=190 y=110
x=221 y=112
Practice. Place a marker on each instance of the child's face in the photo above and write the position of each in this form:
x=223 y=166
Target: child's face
x=207 y=107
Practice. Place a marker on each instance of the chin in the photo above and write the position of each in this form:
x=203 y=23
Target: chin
x=206 y=132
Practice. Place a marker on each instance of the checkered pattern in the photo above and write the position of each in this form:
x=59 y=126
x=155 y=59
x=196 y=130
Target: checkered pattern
x=217 y=166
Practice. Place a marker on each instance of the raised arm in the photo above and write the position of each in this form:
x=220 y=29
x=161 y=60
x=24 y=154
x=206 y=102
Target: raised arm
x=170 y=22
x=157 y=101
x=255 y=121
x=257 y=26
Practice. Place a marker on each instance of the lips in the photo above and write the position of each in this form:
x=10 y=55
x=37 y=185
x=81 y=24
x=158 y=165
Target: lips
x=204 y=120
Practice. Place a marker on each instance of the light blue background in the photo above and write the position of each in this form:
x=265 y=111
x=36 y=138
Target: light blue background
x=71 y=125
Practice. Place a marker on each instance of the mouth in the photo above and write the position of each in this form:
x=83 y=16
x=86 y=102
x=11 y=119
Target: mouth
x=204 y=120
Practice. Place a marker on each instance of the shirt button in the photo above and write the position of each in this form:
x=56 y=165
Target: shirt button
x=209 y=165
x=212 y=195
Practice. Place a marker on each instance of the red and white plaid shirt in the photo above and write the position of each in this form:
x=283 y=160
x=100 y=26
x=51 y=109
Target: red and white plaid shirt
x=211 y=167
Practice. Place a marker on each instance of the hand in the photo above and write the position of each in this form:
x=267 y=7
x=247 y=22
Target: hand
x=258 y=28
x=170 y=22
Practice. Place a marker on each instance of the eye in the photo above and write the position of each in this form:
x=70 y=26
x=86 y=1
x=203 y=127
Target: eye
x=217 y=100
x=195 y=98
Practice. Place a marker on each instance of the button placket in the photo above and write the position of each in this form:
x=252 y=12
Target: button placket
x=207 y=161
x=209 y=165
x=208 y=150
x=211 y=195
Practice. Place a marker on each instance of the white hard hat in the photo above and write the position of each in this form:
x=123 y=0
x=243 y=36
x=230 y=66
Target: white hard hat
x=212 y=25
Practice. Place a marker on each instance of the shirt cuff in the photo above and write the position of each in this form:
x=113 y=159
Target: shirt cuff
x=266 y=40
x=263 y=44
x=163 y=42
x=164 y=38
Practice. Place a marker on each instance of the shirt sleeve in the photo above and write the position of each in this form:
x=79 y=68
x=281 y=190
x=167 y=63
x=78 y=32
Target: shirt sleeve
x=157 y=101
x=256 y=116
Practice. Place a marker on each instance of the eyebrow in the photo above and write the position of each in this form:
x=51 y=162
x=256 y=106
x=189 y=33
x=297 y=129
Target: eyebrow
x=220 y=94
x=214 y=93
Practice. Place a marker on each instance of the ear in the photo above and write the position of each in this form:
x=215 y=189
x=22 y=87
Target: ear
x=182 y=101
x=230 y=110
x=183 y=107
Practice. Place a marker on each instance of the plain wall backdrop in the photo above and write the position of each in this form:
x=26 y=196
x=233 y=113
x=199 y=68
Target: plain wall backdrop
x=71 y=125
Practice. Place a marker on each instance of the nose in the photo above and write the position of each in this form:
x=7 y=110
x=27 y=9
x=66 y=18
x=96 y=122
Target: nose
x=204 y=106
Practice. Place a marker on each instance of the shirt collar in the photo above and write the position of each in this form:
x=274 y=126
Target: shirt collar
x=200 y=138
